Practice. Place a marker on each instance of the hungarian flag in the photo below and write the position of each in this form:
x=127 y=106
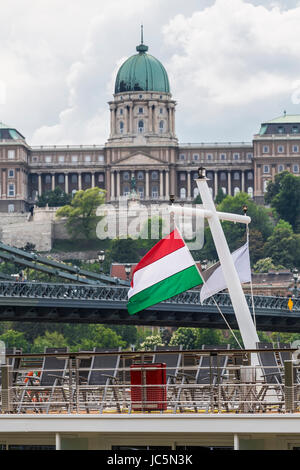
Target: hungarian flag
x=166 y=270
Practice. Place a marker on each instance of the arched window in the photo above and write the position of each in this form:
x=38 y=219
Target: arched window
x=141 y=126
x=126 y=190
x=126 y=175
x=121 y=127
x=182 y=193
x=236 y=190
x=222 y=176
x=141 y=191
x=236 y=175
x=250 y=191
x=250 y=175
x=154 y=175
x=161 y=126
x=61 y=178
x=140 y=175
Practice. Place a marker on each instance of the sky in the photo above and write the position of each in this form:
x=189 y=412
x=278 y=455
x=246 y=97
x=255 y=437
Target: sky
x=232 y=64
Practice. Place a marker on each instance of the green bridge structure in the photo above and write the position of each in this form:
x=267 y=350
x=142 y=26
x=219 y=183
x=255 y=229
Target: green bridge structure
x=85 y=296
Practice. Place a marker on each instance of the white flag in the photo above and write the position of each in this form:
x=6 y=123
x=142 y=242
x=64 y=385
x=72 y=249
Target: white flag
x=213 y=277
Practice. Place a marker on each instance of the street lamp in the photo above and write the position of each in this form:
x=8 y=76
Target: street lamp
x=127 y=270
x=101 y=258
x=201 y=173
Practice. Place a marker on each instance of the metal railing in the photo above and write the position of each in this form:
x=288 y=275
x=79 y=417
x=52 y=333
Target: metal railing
x=197 y=381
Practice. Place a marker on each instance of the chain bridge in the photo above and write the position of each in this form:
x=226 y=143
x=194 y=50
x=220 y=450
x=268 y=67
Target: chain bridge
x=86 y=296
x=53 y=302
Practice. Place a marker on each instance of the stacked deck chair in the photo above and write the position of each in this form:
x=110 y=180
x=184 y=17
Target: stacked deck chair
x=272 y=375
x=201 y=391
x=15 y=363
x=99 y=388
x=47 y=390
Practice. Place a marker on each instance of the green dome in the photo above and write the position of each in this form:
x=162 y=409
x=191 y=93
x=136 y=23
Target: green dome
x=142 y=72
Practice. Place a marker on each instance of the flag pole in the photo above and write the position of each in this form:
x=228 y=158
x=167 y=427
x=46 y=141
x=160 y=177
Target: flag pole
x=240 y=306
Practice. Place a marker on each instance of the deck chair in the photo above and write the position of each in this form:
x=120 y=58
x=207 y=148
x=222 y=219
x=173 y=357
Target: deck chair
x=271 y=373
x=48 y=385
x=101 y=378
x=173 y=363
x=209 y=374
x=14 y=362
x=284 y=355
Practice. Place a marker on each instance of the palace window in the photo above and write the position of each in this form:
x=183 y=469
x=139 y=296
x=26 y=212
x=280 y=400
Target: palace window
x=11 y=190
x=266 y=168
x=295 y=130
x=161 y=126
x=154 y=192
x=126 y=175
x=100 y=158
x=154 y=175
x=223 y=176
x=249 y=175
x=209 y=157
x=61 y=158
x=87 y=158
x=101 y=178
x=47 y=179
x=140 y=175
x=295 y=148
x=236 y=175
x=265 y=149
x=48 y=159
x=87 y=178
x=196 y=157
x=182 y=156
x=11 y=154
x=223 y=156
x=61 y=178
x=141 y=126
x=141 y=191
x=121 y=110
x=11 y=173
x=280 y=168
x=236 y=156
x=280 y=149
x=74 y=179
x=249 y=156
x=74 y=158
x=280 y=129
x=121 y=127
x=161 y=110
x=141 y=110
x=182 y=176
x=296 y=168
x=182 y=193
x=126 y=191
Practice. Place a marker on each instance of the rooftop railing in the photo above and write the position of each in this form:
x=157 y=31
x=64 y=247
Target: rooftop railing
x=164 y=381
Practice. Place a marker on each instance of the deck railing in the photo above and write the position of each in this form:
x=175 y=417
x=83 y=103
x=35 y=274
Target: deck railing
x=194 y=381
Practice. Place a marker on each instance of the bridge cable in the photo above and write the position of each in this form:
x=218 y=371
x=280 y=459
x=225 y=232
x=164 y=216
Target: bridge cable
x=251 y=285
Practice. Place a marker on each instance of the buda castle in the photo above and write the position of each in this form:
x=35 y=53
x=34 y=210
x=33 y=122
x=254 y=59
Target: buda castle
x=142 y=147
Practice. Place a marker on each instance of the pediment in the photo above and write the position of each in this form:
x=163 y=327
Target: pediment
x=139 y=159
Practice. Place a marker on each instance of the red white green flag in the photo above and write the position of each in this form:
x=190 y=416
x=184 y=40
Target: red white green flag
x=166 y=270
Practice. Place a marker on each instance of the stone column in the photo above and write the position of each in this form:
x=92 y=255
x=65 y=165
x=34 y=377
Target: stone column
x=167 y=184
x=150 y=119
x=188 y=185
x=112 y=185
x=79 y=181
x=243 y=181
x=66 y=183
x=147 y=184
x=161 y=184
x=52 y=181
x=118 y=184
x=93 y=179
x=229 y=183
x=112 y=119
x=215 y=183
x=39 y=184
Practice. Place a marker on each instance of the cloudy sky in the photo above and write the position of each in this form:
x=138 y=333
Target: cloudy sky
x=231 y=63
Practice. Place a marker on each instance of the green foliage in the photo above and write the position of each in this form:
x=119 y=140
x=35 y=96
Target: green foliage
x=81 y=213
x=100 y=337
x=55 y=198
x=13 y=338
x=48 y=340
x=187 y=337
x=220 y=196
x=265 y=264
x=284 y=196
x=151 y=341
x=283 y=246
x=124 y=250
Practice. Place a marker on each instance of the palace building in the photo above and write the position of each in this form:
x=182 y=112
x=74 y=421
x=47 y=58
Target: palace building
x=142 y=144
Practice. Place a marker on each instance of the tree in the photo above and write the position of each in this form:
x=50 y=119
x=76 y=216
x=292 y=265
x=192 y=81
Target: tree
x=151 y=341
x=100 y=337
x=49 y=340
x=284 y=196
x=187 y=337
x=264 y=265
x=55 y=198
x=283 y=246
x=14 y=339
x=124 y=250
x=220 y=196
x=81 y=213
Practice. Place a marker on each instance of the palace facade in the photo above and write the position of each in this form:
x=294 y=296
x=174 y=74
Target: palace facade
x=143 y=145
